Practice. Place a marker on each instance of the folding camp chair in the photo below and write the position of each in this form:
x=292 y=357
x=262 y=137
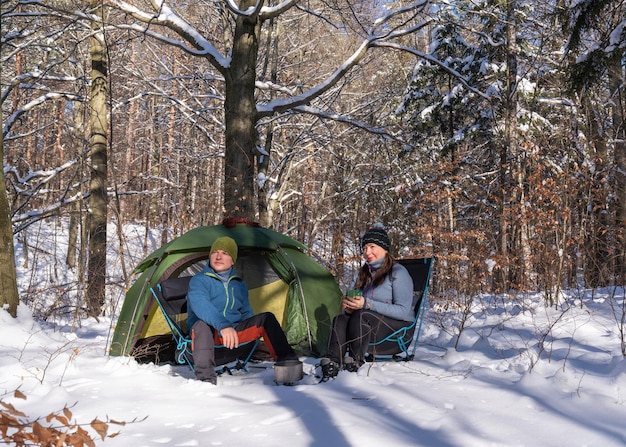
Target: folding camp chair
x=171 y=296
x=398 y=343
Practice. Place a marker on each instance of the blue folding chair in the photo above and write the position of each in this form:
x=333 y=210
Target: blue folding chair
x=397 y=344
x=171 y=296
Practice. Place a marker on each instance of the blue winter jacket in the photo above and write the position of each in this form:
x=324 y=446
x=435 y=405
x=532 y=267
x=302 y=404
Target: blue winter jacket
x=219 y=303
x=394 y=297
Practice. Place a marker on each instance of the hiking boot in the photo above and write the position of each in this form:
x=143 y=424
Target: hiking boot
x=330 y=369
x=210 y=379
x=349 y=364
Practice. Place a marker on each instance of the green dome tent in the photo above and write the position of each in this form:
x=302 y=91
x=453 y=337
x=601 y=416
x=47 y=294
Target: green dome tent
x=281 y=276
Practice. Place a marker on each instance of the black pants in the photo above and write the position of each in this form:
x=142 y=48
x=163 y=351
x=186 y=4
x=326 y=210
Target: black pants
x=353 y=333
x=205 y=338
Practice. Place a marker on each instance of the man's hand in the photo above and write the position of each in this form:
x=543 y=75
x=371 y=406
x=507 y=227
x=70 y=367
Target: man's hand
x=230 y=338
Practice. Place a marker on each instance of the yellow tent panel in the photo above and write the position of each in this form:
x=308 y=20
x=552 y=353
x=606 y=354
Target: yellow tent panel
x=271 y=298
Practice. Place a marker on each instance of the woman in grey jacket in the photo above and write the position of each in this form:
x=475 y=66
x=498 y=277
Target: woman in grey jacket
x=381 y=304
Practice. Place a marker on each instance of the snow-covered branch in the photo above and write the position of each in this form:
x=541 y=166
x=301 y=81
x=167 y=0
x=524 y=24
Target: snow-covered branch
x=44 y=175
x=344 y=119
x=11 y=120
x=22 y=221
x=434 y=61
x=411 y=8
x=266 y=85
x=373 y=39
x=193 y=42
x=269 y=12
x=283 y=104
x=250 y=12
x=34 y=184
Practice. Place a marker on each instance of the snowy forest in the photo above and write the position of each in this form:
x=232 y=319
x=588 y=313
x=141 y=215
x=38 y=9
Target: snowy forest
x=489 y=134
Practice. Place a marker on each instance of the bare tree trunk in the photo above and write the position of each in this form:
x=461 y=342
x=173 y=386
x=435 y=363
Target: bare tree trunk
x=525 y=254
x=266 y=216
x=130 y=127
x=597 y=243
x=9 y=299
x=171 y=203
x=618 y=94
x=265 y=212
x=240 y=117
x=72 y=238
x=82 y=248
x=508 y=148
x=8 y=274
x=96 y=270
x=76 y=215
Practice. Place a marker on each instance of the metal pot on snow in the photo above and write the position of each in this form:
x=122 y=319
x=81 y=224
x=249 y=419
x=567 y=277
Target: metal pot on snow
x=288 y=372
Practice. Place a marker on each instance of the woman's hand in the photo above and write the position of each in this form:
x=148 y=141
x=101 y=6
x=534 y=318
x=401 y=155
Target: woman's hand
x=344 y=305
x=230 y=338
x=353 y=303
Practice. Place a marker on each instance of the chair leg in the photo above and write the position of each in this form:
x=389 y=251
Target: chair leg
x=241 y=365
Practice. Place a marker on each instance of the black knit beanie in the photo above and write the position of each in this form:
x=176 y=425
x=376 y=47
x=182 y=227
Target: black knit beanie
x=376 y=235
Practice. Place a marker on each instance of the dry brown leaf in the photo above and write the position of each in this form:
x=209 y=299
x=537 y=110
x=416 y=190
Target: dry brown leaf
x=12 y=410
x=62 y=419
x=75 y=440
x=8 y=420
x=100 y=427
x=85 y=436
x=42 y=434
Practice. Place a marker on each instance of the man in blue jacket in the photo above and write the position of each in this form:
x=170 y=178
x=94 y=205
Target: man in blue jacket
x=219 y=313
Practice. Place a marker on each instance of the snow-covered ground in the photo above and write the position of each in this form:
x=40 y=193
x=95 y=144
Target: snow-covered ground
x=521 y=375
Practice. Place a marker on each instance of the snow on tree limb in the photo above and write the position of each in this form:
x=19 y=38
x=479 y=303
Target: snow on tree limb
x=269 y=12
x=372 y=40
x=282 y=104
x=15 y=116
x=347 y=120
x=22 y=221
x=169 y=19
x=435 y=61
x=251 y=11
